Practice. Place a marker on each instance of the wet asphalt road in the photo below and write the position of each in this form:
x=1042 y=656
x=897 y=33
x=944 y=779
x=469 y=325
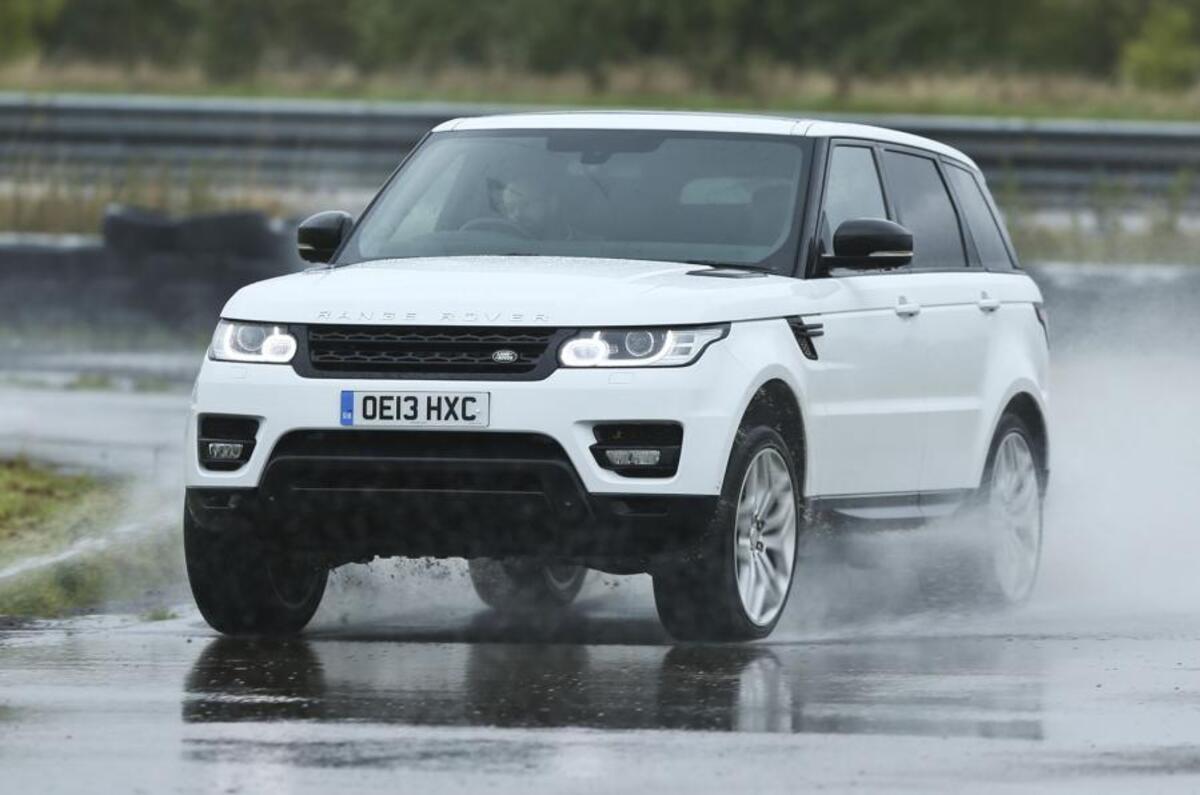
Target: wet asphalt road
x=450 y=701
x=405 y=683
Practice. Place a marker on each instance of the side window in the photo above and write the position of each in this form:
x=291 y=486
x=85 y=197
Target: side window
x=923 y=205
x=852 y=191
x=984 y=228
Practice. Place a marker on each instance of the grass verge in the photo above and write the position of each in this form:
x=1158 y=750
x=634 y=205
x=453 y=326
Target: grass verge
x=1166 y=231
x=128 y=576
x=646 y=83
x=61 y=525
x=42 y=510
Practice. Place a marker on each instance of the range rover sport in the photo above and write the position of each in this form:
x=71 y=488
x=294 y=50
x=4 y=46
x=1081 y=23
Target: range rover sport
x=633 y=342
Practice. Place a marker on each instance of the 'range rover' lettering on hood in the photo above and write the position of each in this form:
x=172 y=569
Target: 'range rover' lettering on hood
x=486 y=317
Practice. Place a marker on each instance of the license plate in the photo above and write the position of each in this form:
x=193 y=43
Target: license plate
x=415 y=409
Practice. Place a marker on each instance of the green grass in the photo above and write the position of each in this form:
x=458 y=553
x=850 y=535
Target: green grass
x=1039 y=244
x=102 y=382
x=85 y=382
x=131 y=573
x=124 y=336
x=44 y=512
x=154 y=384
x=50 y=197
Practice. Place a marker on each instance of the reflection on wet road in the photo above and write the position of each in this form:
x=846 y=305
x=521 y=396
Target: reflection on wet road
x=835 y=689
x=928 y=705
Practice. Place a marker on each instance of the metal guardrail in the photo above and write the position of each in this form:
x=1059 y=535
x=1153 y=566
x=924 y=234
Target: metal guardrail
x=326 y=145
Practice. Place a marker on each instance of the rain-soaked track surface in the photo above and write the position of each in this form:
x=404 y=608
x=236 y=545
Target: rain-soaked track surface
x=925 y=705
x=404 y=684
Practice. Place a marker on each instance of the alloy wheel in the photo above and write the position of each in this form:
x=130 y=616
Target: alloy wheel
x=765 y=527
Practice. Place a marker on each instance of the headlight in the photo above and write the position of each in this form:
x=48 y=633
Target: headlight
x=649 y=347
x=234 y=341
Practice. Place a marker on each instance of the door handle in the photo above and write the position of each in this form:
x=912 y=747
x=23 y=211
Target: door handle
x=906 y=308
x=988 y=304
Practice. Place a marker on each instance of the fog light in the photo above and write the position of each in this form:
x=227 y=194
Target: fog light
x=633 y=458
x=225 y=451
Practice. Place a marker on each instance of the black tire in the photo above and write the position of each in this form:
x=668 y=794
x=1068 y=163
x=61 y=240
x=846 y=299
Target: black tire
x=699 y=598
x=243 y=587
x=515 y=585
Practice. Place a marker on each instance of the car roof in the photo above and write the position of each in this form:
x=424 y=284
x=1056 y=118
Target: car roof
x=746 y=123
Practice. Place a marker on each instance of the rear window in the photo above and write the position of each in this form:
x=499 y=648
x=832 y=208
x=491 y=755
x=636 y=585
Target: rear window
x=924 y=207
x=985 y=230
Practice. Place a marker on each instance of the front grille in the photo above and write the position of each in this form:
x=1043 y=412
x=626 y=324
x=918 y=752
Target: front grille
x=455 y=465
x=430 y=351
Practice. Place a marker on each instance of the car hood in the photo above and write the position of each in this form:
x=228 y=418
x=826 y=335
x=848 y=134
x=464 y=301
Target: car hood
x=515 y=291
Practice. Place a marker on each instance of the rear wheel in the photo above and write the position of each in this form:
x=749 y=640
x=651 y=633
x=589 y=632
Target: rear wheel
x=515 y=585
x=993 y=559
x=244 y=587
x=1011 y=515
x=738 y=584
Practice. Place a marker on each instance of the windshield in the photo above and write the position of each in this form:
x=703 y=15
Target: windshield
x=653 y=195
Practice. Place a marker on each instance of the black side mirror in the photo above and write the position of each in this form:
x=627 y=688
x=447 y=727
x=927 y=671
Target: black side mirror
x=870 y=244
x=320 y=235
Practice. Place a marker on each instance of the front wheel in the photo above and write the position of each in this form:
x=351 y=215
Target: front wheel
x=738 y=584
x=244 y=587
x=515 y=585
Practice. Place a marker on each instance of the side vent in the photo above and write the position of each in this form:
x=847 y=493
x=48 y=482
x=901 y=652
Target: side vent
x=805 y=333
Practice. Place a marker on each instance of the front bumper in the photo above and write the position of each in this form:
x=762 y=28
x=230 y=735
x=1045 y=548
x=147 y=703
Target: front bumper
x=704 y=398
x=527 y=485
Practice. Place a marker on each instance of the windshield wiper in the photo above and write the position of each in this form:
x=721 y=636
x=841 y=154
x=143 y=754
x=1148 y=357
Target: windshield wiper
x=740 y=266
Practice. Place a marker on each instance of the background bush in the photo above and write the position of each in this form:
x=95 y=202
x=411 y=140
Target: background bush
x=1151 y=42
x=1165 y=54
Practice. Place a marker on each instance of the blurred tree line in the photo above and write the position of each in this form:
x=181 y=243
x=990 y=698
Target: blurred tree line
x=1151 y=43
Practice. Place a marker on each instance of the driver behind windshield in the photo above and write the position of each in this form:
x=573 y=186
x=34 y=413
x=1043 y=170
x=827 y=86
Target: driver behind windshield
x=530 y=205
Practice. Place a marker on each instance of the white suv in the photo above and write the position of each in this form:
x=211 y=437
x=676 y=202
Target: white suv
x=635 y=342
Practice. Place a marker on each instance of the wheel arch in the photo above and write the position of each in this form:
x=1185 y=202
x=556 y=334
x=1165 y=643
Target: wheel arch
x=775 y=404
x=1023 y=405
